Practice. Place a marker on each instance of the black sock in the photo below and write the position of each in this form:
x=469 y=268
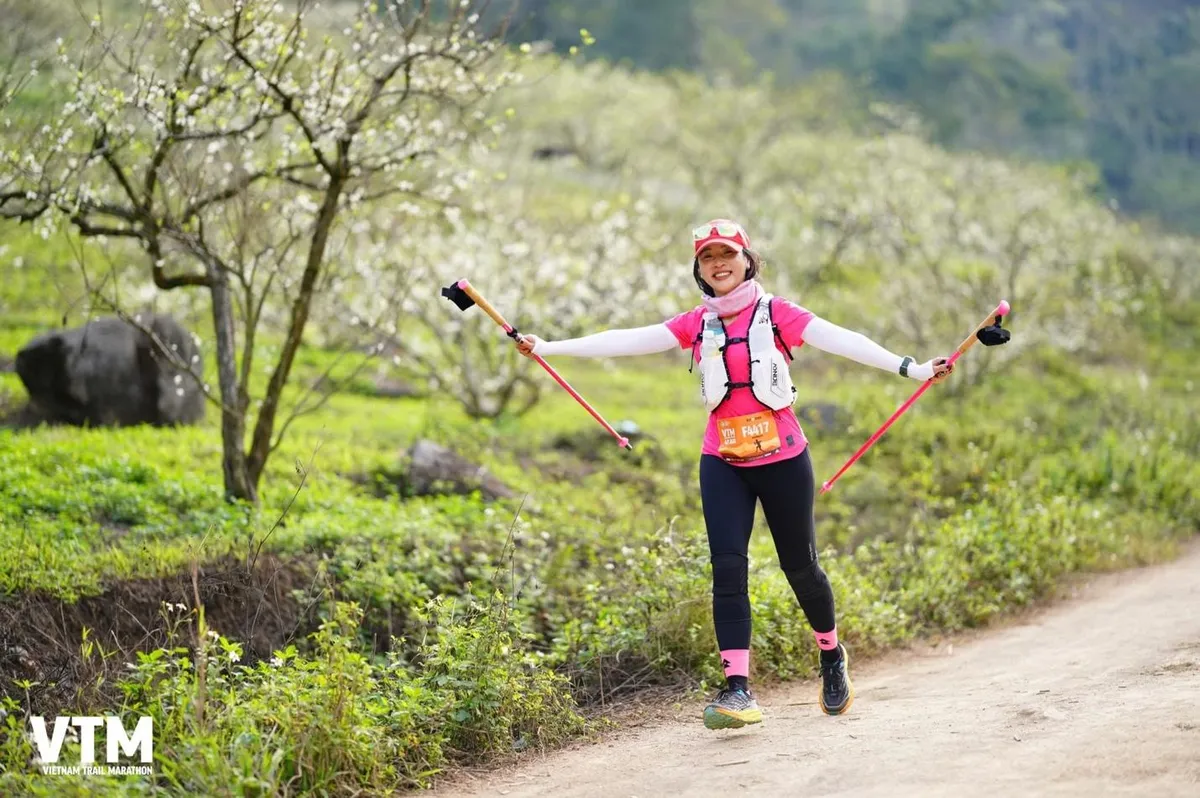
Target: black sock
x=738 y=683
x=831 y=656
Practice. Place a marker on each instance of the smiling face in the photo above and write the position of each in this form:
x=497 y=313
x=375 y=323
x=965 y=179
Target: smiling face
x=722 y=267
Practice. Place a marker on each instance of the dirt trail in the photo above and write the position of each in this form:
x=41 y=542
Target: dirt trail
x=1097 y=696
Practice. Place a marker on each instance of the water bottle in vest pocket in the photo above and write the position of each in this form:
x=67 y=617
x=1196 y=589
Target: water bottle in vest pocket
x=712 y=363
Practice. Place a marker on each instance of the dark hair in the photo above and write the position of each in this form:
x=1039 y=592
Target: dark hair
x=751 y=271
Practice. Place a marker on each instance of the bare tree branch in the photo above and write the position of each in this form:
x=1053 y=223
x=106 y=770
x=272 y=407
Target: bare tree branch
x=300 y=408
x=246 y=181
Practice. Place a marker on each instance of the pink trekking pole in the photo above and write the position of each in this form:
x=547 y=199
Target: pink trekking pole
x=989 y=332
x=464 y=296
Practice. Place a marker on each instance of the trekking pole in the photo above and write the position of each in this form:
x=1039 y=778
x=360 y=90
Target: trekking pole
x=464 y=295
x=988 y=332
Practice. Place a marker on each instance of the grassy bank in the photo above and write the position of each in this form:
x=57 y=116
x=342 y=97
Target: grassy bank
x=448 y=628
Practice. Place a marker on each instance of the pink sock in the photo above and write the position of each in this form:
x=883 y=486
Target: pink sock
x=736 y=661
x=827 y=641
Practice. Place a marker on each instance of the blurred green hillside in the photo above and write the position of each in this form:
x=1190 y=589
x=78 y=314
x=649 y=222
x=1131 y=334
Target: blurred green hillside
x=1107 y=81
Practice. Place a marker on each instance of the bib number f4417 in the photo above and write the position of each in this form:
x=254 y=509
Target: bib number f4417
x=748 y=437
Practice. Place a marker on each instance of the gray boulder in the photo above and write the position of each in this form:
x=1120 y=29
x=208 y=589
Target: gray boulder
x=435 y=470
x=109 y=373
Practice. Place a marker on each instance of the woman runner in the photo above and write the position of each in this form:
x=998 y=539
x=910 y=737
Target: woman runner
x=754 y=449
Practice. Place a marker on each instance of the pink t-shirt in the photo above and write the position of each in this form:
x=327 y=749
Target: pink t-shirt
x=791 y=319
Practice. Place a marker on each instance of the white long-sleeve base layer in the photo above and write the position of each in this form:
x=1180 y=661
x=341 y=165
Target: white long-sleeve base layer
x=613 y=343
x=655 y=338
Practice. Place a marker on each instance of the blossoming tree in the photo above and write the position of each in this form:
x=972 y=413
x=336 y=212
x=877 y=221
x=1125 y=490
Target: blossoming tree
x=246 y=149
x=557 y=275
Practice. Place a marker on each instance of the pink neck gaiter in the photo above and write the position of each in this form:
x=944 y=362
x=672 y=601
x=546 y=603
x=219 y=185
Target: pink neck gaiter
x=736 y=300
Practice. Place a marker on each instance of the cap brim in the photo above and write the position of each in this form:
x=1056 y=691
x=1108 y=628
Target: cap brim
x=729 y=242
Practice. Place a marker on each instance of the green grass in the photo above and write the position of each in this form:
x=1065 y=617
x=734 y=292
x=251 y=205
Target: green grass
x=967 y=508
x=104 y=504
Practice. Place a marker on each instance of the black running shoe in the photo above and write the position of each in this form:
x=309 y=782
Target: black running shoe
x=837 y=691
x=733 y=708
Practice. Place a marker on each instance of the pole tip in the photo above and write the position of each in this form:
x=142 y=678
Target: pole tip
x=624 y=443
x=826 y=486
x=1003 y=309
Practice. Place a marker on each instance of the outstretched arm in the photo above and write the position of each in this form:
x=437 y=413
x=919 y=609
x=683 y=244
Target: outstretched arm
x=829 y=337
x=610 y=343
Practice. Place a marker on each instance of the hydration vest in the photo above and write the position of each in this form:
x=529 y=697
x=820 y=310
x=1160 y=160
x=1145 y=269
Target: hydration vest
x=770 y=380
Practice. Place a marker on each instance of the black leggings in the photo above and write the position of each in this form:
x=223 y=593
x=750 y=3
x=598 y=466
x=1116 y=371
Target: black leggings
x=729 y=494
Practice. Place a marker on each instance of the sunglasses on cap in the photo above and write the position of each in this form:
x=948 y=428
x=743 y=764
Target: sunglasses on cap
x=723 y=229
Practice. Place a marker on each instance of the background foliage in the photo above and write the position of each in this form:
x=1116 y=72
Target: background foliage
x=1105 y=81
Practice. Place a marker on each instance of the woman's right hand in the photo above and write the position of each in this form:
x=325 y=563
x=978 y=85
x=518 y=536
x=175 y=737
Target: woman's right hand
x=937 y=370
x=527 y=343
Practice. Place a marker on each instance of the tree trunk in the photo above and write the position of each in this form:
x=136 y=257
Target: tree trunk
x=238 y=484
x=264 y=427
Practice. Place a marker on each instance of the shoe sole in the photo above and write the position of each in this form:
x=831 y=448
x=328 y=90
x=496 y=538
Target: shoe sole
x=715 y=718
x=844 y=708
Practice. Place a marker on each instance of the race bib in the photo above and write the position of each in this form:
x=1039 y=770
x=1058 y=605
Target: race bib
x=748 y=437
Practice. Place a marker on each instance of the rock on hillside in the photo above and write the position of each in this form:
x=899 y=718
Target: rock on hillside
x=109 y=373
